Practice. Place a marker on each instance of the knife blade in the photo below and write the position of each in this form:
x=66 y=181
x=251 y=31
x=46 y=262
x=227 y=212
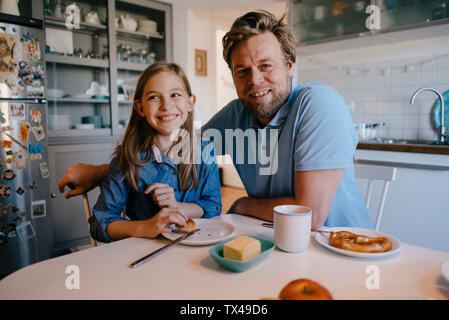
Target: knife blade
x=144 y=259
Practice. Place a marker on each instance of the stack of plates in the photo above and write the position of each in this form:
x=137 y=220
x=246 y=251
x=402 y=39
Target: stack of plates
x=147 y=26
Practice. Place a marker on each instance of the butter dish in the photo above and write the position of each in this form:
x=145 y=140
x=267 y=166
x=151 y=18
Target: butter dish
x=239 y=266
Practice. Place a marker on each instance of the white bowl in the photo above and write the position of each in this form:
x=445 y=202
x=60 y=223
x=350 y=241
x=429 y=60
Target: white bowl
x=55 y=93
x=61 y=121
x=148 y=24
x=85 y=126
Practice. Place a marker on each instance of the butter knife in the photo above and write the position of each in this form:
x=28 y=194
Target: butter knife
x=144 y=259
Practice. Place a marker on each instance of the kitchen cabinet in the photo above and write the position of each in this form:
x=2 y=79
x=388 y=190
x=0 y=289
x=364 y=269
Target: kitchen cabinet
x=90 y=88
x=316 y=21
x=95 y=52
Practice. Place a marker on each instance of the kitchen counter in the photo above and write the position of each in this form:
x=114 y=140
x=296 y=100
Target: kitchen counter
x=401 y=147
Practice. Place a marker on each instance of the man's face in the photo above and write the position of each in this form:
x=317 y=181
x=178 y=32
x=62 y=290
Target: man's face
x=261 y=75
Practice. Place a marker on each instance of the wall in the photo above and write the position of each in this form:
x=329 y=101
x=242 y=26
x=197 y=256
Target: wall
x=378 y=81
x=194 y=27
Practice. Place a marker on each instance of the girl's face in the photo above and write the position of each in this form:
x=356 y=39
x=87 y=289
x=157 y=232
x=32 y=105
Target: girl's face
x=165 y=103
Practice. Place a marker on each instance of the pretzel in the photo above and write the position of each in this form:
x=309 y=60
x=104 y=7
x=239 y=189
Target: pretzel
x=190 y=226
x=353 y=242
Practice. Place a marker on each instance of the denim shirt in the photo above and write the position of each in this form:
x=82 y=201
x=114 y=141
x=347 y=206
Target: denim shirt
x=118 y=195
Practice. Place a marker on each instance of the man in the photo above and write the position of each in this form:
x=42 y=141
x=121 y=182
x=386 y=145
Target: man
x=311 y=135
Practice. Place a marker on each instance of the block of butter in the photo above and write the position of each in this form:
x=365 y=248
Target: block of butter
x=241 y=248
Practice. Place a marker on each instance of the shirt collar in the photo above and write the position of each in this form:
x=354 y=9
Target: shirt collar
x=158 y=157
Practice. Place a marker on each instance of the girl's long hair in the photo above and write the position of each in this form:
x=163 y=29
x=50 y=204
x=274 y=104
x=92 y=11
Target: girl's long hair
x=139 y=137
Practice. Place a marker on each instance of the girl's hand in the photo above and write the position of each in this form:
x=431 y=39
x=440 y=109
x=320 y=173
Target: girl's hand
x=160 y=222
x=163 y=195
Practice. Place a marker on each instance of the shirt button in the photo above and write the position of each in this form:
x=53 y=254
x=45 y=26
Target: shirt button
x=174 y=173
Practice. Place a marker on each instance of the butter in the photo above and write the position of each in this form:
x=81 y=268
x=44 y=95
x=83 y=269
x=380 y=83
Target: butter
x=241 y=248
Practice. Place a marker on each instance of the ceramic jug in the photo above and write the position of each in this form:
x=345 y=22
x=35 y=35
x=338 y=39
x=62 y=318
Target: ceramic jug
x=128 y=22
x=10 y=7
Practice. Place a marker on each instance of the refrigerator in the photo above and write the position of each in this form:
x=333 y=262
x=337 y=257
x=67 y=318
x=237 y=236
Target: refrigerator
x=25 y=222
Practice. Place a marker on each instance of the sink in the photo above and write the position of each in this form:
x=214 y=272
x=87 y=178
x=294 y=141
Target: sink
x=402 y=141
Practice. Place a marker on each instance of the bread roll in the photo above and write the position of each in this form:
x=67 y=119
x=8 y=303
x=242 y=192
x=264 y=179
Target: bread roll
x=190 y=226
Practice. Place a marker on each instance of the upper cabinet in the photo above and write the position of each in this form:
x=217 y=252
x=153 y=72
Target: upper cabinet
x=315 y=21
x=95 y=52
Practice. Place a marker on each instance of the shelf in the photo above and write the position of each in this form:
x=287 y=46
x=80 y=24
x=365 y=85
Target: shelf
x=138 y=35
x=122 y=65
x=60 y=22
x=76 y=100
x=78 y=133
x=85 y=62
x=126 y=102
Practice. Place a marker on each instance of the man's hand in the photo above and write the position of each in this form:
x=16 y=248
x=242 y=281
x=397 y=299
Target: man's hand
x=163 y=195
x=81 y=178
x=313 y=189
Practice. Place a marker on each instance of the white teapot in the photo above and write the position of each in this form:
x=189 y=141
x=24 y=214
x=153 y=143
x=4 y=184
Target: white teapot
x=128 y=23
x=10 y=7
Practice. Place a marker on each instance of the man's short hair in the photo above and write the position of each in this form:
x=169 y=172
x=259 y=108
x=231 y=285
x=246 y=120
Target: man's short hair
x=257 y=22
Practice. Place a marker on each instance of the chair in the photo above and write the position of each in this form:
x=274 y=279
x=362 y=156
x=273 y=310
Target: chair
x=88 y=213
x=375 y=172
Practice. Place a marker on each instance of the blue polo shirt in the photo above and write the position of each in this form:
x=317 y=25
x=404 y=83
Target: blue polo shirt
x=117 y=195
x=313 y=130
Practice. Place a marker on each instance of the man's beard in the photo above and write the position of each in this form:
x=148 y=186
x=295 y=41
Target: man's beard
x=268 y=110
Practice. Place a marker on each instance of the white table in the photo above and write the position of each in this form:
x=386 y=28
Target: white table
x=189 y=272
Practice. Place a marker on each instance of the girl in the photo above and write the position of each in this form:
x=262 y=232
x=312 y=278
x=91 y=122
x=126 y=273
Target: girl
x=155 y=175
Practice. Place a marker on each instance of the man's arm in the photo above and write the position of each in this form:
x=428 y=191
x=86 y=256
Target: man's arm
x=314 y=189
x=82 y=177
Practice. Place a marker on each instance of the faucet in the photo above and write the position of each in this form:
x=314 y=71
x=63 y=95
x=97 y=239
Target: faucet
x=443 y=128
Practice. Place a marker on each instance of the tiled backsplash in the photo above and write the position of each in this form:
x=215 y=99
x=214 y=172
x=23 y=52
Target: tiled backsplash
x=381 y=92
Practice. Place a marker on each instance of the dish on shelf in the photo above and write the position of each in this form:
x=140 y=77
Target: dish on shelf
x=85 y=126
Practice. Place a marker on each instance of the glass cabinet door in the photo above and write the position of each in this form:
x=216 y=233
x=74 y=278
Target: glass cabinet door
x=396 y=13
x=77 y=67
x=315 y=20
x=141 y=39
x=321 y=19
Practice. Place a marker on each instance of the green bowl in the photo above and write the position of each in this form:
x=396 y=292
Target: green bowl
x=266 y=246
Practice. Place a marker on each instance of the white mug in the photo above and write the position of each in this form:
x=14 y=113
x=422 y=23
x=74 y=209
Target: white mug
x=292 y=227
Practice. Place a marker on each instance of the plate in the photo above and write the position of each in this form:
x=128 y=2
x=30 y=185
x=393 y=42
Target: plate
x=266 y=246
x=212 y=231
x=436 y=114
x=392 y=292
x=323 y=239
x=445 y=270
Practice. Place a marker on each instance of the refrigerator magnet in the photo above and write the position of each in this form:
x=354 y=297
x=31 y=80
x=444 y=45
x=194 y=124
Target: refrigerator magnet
x=24 y=131
x=20 y=157
x=5 y=191
x=21 y=190
x=2 y=118
x=36 y=116
x=8 y=174
x=7 y=210
x=38 y=132
x=19 y=218
x=25 y=230
x=35 y=151
x=17 y=111
x=38 y=209
x=43 y=167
